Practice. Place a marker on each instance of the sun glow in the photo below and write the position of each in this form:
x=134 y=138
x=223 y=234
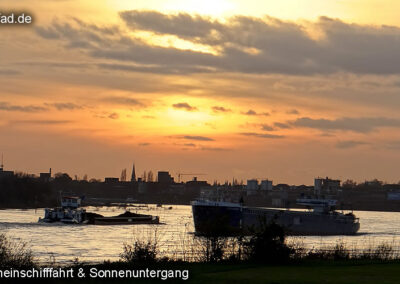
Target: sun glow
x=182 y=118
x=169 y=41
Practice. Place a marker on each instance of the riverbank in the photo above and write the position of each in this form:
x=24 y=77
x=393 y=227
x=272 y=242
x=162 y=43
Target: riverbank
x=312 y=272
x=264 y=258
x=308 y=272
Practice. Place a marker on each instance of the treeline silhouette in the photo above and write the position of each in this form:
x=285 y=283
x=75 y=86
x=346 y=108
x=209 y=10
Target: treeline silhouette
x=24 y=190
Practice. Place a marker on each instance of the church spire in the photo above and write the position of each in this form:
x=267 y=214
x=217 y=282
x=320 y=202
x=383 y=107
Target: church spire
x=133 y=177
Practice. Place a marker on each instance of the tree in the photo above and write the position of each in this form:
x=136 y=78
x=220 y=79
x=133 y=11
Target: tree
x=62 y=177
x=349 y=184
x=150 y=176
x=123 y=175
x=267 y=244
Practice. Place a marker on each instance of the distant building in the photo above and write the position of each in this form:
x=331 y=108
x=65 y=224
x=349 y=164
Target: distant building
x=252 y=184
x=111 y=180
x=4 y=173
x=326 y=184
x=142 y=186
x=46 y=177
x=222 y=193
x=266 y=185
x=196 y=185
x=165 y=177
x=282 y=186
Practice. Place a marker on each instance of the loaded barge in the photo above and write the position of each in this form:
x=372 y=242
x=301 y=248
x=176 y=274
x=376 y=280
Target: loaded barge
x=70 y=212
x=226 y=218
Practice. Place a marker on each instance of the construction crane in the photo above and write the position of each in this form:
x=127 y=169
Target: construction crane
x=187 y=174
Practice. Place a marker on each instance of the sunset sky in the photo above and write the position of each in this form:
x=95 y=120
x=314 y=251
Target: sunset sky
x=286 y=90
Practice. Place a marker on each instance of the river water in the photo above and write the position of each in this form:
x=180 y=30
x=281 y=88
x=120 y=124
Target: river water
x=93 y=243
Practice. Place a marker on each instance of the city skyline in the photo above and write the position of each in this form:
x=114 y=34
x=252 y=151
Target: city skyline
x=234 y=89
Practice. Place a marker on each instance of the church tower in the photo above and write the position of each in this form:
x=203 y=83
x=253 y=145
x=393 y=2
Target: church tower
x=133 y=177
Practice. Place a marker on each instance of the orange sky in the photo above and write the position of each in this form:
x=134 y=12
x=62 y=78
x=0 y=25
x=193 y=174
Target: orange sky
x=285 y=90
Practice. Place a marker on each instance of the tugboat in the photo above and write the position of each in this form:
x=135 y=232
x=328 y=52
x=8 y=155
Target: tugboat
x=68 y=213
x=71 y=213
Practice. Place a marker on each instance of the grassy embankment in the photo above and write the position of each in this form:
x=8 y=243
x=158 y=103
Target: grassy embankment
x=317 y=272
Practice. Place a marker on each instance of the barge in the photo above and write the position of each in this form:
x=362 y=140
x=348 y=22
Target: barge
x=226 y=218
x=70 y=212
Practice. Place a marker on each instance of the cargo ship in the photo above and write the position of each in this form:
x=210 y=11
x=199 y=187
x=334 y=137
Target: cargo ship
x=226 y=218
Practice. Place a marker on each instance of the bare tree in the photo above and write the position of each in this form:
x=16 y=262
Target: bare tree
x=123 y=175
x=150 y=176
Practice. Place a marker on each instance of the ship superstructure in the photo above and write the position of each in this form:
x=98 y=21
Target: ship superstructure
x=69 y=212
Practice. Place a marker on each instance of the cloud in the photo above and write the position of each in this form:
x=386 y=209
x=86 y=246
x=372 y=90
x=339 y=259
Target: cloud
x=40 y=122
x=292 y=111
x=267 y=127
x=357 y=124
x=250 y=112
x=218 y=149
x=65 y=106
x=195 y=137
x=261 y=135
x=282 y=125
x=283 y=46
x=392 y=145
x=47 y=33
x=246 y=44
x=5 y=106
x=182 y=24
x=220 y=109
x=153 y=68
x=184 y=106
x=349 y=144
x=113 y=115
x=144 y=144
x=9 y=72
x=125 y=101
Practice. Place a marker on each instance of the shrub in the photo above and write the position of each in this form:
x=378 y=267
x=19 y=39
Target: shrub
x=338 y=252
x=14 y=254
x=267 y=245
x=212 y=248
x=383 y=251
x=140 y=252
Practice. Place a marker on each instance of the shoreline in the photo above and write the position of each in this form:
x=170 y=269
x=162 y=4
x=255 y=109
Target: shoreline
x=180 y=204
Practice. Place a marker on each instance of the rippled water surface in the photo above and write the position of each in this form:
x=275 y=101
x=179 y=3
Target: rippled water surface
x=95 y=243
